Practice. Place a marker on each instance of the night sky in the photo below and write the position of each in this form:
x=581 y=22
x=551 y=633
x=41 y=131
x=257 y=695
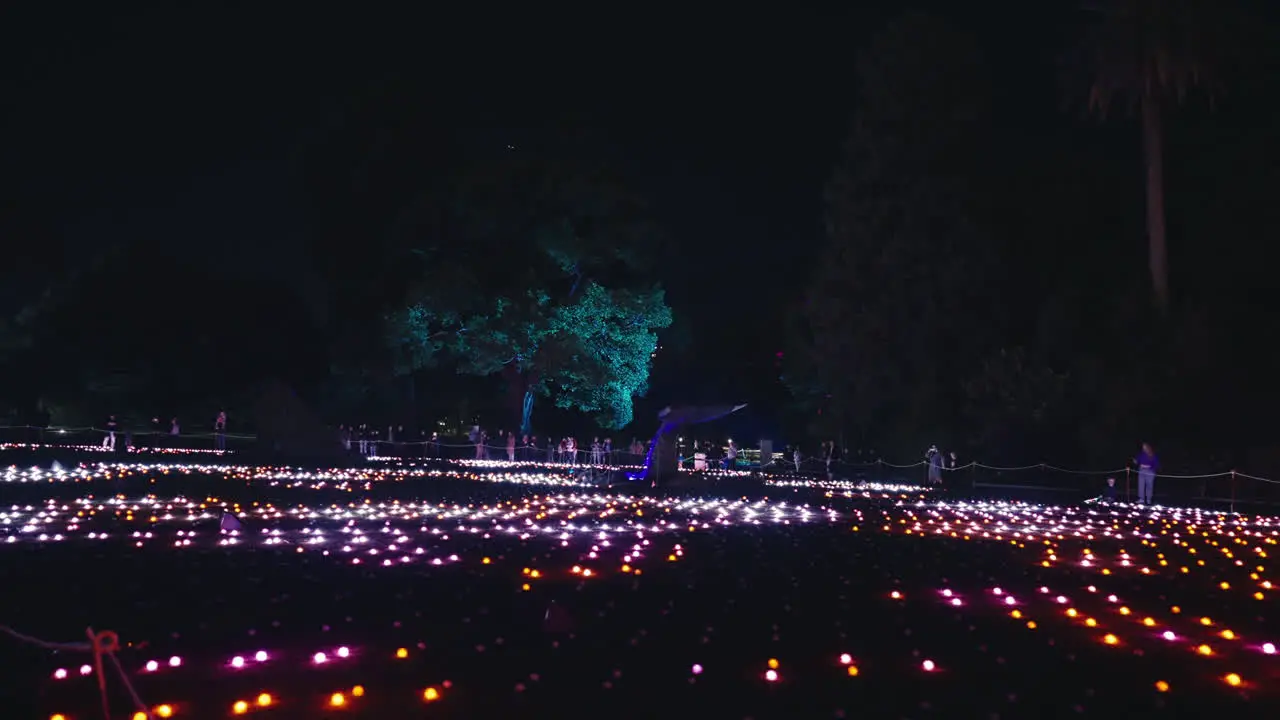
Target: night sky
x=173 y=127
x=195 y=128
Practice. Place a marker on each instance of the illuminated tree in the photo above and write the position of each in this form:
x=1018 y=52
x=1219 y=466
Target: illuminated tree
x=538 y=282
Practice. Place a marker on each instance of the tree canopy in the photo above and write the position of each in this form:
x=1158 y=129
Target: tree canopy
x=538 y=276
x=888 y=332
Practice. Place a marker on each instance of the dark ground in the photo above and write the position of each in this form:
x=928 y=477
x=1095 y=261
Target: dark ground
x=625 y=645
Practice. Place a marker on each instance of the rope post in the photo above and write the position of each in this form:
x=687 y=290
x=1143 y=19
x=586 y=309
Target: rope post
x=1127 y=497
x=1233 y=491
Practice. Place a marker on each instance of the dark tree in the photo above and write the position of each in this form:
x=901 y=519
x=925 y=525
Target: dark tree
x=1149 y=56
x=898 y=316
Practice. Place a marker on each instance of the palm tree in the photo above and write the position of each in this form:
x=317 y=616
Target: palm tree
x=1151 y=55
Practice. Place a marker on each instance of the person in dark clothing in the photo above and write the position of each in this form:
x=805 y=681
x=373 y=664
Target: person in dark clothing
x=1109 y=490
x=1148 y=464
x=109 y=442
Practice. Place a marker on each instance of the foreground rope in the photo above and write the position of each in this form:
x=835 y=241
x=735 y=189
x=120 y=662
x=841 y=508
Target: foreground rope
x=102 y=645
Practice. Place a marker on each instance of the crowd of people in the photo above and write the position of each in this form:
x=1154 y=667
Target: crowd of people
x=395 y=440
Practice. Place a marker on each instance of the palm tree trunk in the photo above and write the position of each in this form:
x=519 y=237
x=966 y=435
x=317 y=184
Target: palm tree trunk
x=1157 y=248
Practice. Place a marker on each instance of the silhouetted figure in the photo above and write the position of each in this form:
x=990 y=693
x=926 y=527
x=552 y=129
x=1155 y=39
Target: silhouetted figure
x=220 y=431
x=109 y=442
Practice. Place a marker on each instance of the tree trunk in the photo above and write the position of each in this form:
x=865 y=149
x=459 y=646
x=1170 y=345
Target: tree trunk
x=1157 y=248
x=520 y=391
x=526 y=416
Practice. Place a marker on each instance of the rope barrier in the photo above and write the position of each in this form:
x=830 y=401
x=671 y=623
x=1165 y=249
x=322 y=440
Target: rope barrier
x=102 y=645
x=373 y=448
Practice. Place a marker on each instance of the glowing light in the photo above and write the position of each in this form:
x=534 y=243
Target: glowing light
x=430 y=694
x=240 y=707
x=1232 y=679
x=337 y=700
x=265 y=700
x=928 y=666
x=771 y=675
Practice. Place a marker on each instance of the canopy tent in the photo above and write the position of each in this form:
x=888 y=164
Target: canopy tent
x=661 y=463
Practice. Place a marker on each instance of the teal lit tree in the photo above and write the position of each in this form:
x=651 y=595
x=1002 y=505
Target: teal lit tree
x=540 y=280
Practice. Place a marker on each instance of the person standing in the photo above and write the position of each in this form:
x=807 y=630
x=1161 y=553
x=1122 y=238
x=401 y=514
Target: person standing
x=1148 y=464
x=109 y=442
x=220 y=431
x=935 y=466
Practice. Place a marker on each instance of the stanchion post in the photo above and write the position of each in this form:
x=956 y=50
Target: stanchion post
x=1127 y=497
x=1233 y=491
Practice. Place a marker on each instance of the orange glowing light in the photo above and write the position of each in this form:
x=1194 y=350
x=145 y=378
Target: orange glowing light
x=337 y=700
x=1110 y=639
x=430 y=694
x=265 y=700
x=241 y=707
x=1233 y=680
x=402 y=653
x=1162 y=686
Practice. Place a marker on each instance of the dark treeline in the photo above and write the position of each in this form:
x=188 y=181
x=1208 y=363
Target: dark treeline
x=979 y=272
x=988 y=278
